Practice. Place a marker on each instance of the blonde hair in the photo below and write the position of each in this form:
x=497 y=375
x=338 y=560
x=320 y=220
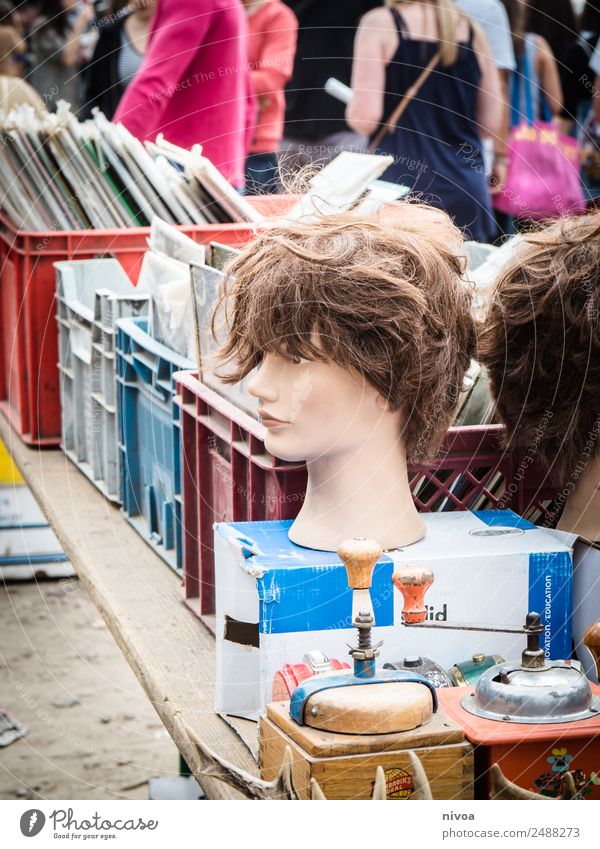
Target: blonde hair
x=447 y=19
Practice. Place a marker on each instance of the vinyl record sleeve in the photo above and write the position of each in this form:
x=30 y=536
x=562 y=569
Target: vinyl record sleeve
x=57 y=209
x=61 y=186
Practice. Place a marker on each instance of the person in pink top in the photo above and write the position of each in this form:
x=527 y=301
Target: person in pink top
x=272 y=48
x=194 y=84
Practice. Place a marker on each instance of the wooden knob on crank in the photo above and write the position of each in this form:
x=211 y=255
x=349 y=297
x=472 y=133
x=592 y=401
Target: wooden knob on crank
x=591 y=639
x=413 y=582
x=359 y=556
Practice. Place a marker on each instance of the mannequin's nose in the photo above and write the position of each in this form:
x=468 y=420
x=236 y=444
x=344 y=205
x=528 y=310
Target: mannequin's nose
x=261 y=385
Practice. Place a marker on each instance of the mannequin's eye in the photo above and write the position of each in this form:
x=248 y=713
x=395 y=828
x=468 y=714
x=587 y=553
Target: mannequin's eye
x=290 y=358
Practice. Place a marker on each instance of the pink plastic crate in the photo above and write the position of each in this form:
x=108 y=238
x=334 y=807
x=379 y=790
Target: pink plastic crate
x=228 y=476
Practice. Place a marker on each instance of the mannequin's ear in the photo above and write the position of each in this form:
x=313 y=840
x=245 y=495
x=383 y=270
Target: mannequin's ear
x=383 y=403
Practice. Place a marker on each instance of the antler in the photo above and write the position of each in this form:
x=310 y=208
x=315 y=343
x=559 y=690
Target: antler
x=248 y=785
x=316 y=794
x=282 y=787
x=379 y=789
x=504 y=789
x=421 y=782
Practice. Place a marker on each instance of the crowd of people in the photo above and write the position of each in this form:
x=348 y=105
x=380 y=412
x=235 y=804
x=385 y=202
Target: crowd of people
x=437 y=84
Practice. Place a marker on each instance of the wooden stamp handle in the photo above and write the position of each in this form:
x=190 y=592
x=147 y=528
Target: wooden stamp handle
x=591 y=639
x=359 y=556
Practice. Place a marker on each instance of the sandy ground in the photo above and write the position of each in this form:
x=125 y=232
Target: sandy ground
x=93 y=733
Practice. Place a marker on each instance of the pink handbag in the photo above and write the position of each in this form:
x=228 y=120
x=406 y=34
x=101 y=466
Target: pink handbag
x=543 y=166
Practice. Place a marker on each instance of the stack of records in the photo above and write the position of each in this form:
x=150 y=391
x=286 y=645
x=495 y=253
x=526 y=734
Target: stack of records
x=57 y=173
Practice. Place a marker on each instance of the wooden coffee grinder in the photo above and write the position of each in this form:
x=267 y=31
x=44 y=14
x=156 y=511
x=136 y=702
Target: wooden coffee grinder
x=341 y=726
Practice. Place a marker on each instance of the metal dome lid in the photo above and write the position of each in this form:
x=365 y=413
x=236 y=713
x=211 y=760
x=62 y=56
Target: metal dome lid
x=535 y=690
x=556 y=692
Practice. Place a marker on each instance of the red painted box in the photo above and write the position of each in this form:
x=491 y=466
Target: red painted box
x=533 y=756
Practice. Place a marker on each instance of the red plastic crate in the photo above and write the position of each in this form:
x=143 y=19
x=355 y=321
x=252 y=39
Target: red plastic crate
x=29 y=388
x=228 y=476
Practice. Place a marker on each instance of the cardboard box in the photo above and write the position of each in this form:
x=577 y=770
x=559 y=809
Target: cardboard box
x=586 y=599
x=19 y=509
x=276 y=600
x=25 y=536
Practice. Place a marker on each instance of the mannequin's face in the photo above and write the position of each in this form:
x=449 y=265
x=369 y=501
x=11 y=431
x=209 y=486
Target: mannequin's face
x=314 y=409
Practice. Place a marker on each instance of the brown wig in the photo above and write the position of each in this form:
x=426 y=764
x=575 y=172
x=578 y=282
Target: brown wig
x=377 y=295
x=541 y=342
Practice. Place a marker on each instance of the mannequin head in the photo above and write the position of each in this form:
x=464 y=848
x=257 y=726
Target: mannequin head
x=362 y=332
x=355 y=322
x=541 y=343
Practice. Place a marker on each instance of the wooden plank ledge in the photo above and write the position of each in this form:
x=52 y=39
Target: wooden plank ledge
x=138 y=596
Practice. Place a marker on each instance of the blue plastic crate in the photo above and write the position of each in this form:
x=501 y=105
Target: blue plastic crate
x=149 y=438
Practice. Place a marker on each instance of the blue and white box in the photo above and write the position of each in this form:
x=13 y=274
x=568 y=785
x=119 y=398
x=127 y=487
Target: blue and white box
x=26 y=539
x=275 y=600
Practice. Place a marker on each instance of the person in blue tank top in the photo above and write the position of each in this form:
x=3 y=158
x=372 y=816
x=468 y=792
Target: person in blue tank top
x=436 y=144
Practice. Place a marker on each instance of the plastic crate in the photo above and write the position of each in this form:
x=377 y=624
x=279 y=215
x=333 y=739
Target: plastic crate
x=91 y=295
x=29 y=389
x=149 y=438
x=228 y=476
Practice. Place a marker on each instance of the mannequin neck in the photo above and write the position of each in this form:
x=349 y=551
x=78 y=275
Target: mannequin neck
x=363 y=493
x=582 y=511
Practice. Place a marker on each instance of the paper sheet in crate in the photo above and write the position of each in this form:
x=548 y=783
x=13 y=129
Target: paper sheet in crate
x=276 y=600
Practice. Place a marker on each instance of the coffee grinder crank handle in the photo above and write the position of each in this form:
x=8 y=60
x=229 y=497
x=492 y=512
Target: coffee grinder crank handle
x=413 y=582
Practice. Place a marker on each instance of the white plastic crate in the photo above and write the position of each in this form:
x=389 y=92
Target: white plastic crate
x=91 y=296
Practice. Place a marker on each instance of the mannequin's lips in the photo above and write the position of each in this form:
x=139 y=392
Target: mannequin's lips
x=270 y=421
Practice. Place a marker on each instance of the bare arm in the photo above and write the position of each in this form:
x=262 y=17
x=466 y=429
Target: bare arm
x=71 y=52
x=364 y=113
x=491 y=111
x=549 y=76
